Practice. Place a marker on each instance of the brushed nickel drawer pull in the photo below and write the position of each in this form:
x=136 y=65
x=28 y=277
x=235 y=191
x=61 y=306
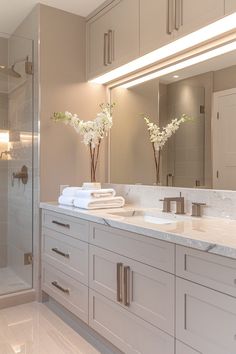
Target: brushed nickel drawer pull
x=59 y=287
x=119 y=271
x=61 y=224
x=66 y=255
x=127 y=286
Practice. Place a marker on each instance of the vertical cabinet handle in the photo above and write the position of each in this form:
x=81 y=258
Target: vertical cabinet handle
x=170 y=17
x=110 y=46
x=181 y=12
x=177 y=14
x=119 y=275
x=127 y=284
x=105 y=49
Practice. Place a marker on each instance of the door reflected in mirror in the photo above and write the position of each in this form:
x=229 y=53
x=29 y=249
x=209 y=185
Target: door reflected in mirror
x=202 y=152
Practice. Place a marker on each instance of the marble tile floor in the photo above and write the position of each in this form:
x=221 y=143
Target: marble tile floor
x=34 y=329
x=11 y=282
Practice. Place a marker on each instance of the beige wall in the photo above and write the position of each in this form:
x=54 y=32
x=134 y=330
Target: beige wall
x=64 y=160
x=225 y=79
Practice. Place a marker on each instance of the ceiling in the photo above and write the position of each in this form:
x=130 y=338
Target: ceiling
x=13 y=12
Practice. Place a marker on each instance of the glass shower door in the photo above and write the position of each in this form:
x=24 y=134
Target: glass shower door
x=16 y=164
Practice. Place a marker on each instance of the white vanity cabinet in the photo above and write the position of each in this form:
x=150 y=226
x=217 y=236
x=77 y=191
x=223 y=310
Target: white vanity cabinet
x=129 y=333
x=65 y=261
x=144 y=295
x=205 y=319
x=112 y=37
x=144 y=291
x=230 y=6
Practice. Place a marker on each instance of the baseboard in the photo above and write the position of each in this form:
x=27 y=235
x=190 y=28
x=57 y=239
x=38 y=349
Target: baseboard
x=19 y=298
x=92 y=337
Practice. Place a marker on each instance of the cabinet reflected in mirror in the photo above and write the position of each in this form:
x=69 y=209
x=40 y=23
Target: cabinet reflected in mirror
x=202 y=152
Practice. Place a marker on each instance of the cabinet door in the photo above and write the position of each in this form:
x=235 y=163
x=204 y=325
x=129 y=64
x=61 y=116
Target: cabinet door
x=148 y=293
x=116 y=28
x=205 y=319
x=196 y=14
x=127 y=332
x=230 y=6
x=154 y=24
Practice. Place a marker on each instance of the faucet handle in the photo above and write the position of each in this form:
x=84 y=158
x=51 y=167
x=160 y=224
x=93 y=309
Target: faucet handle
x=196 y=209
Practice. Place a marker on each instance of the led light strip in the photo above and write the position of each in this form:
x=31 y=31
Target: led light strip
x=184 y=64
x=204 y=34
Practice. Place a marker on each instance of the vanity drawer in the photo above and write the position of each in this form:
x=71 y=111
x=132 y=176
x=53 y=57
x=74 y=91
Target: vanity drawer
x=127 y=332
x=66 y=254
x=156 y=253
x=68 y=292
x=67 y=225
x=148 y=293
x=213 y=271
x=205 y=319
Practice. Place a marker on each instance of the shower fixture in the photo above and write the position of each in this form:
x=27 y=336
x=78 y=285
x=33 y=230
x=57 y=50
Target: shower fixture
x=4 y=153
x=11 y=71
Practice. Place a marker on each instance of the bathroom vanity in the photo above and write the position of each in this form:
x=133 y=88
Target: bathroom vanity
x=149 y=282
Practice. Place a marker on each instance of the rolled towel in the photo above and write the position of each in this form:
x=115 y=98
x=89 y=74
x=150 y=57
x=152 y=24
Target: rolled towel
x=95 y=193
x=99 y=203
x=64 y=200
x=70 y=191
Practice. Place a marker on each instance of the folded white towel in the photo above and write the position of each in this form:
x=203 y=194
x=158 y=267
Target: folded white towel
x=64 y=200
x=95 y=193
x=70 y=191
x=99 y=203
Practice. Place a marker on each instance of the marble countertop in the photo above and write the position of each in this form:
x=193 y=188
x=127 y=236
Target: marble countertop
x=209 y=234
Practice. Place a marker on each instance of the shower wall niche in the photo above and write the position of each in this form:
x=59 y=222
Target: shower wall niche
x=16 y=151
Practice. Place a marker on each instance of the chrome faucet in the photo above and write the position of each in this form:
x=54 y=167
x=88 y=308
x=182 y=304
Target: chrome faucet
x=179 y=204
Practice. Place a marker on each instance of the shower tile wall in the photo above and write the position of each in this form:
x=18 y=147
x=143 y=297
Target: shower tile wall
x=19 y=238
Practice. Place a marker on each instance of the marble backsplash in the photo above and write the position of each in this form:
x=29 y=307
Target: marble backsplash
x=218 y=203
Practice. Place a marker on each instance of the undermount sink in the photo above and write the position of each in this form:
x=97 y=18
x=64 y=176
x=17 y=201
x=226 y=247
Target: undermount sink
x=145 y=216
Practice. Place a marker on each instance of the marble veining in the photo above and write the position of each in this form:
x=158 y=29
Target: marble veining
x=209 y=234
x=219 y=203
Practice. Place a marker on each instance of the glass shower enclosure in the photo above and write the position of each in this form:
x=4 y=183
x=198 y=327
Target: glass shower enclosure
x=16 y=164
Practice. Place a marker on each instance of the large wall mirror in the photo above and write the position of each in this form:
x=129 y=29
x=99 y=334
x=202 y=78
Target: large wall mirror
x=202 y=152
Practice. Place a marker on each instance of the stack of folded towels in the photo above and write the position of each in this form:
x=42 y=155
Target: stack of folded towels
x=91 y=199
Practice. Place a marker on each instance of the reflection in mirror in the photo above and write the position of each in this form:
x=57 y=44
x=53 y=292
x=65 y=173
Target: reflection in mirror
x=202 y=152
